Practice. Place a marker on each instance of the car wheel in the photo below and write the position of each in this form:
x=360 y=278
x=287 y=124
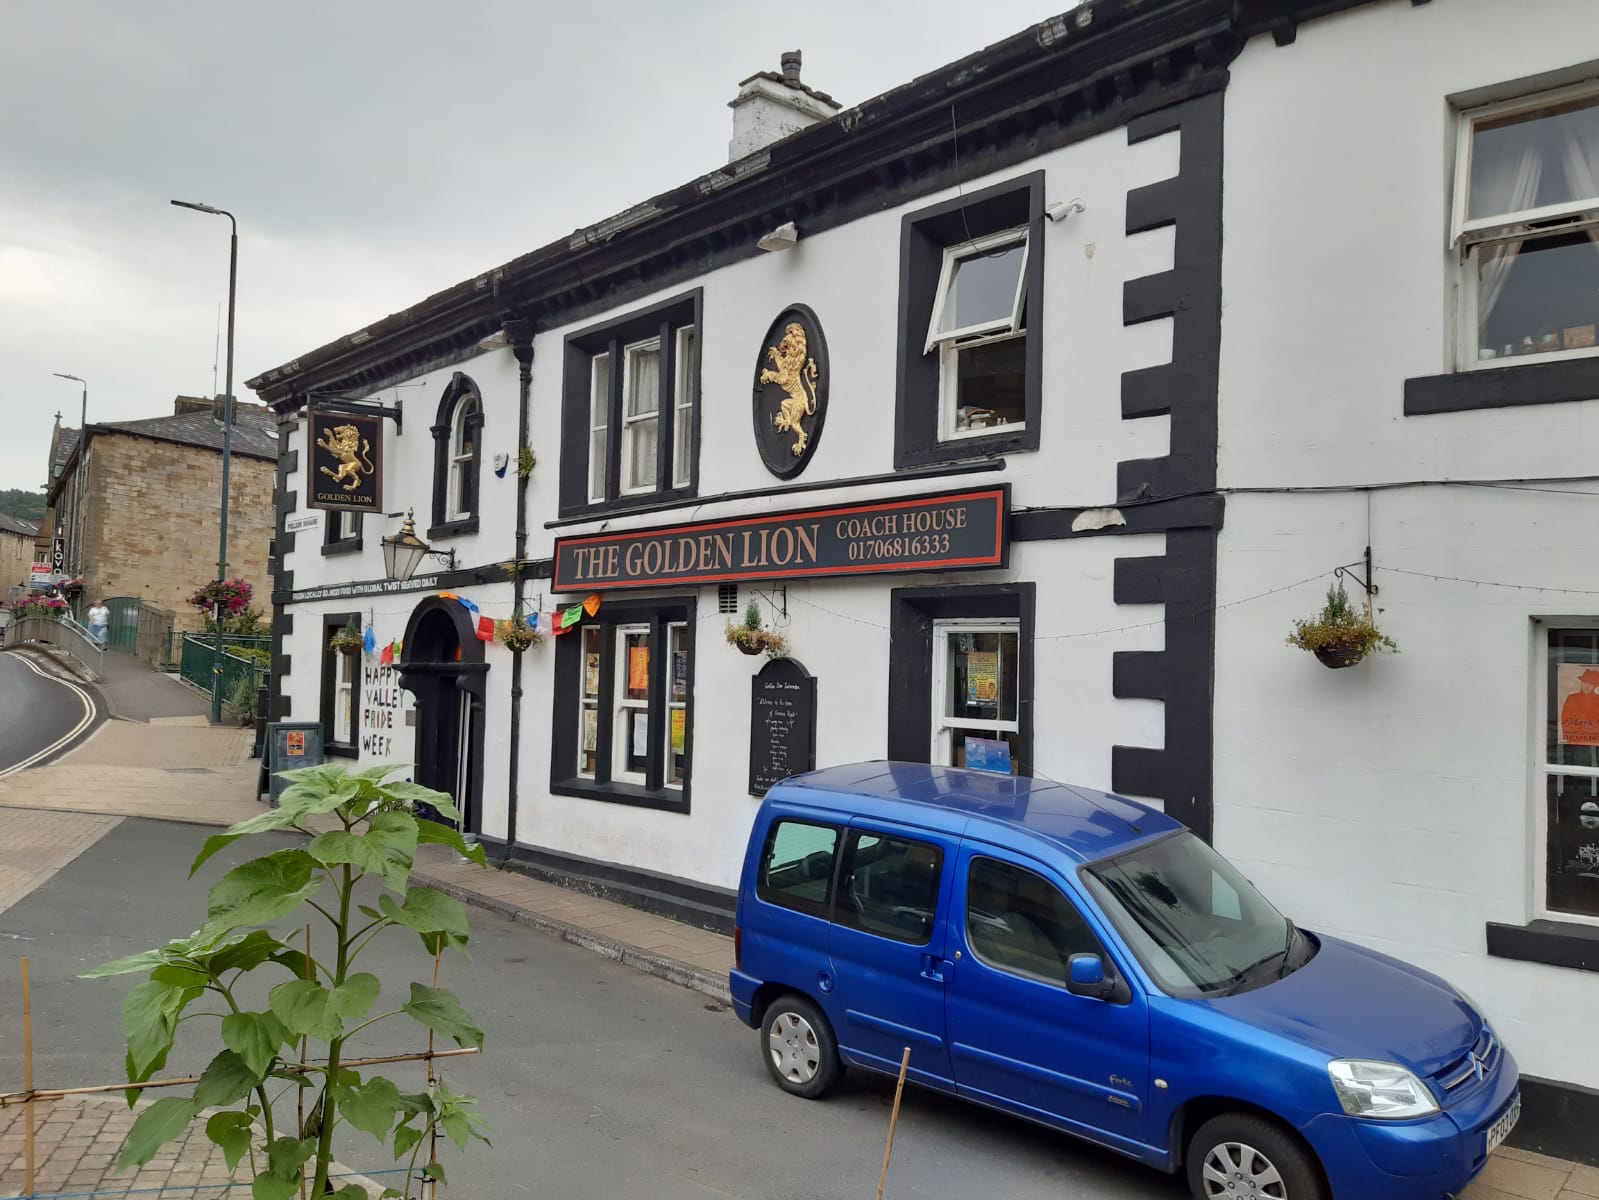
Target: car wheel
x=1239 y=1155
x=799 y=1047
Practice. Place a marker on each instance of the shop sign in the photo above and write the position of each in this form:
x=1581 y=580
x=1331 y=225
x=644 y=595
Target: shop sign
x=347 y=454
x=950 y=531
x=381 y=705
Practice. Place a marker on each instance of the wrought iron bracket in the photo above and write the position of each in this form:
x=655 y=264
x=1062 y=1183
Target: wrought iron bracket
x=1366 y=584
x=356 y=408
x=777 y=598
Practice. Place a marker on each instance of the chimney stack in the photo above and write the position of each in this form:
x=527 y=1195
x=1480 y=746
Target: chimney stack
x=770 y=106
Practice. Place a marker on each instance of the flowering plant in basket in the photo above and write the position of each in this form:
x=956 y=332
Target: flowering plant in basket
x=347 y=640
x=1340 y=635
x=48 y=608
x=517 y=635
x=232 y=596
x=751 y=637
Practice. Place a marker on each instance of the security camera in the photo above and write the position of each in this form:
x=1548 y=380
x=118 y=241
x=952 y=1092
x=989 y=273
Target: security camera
x=1062 y=209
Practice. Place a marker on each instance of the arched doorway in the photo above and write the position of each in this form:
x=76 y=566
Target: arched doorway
x=442 y=665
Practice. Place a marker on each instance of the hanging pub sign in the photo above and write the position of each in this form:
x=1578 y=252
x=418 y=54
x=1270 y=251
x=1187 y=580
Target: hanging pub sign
x=949 y=531
x=790 y=400
x=347 y=461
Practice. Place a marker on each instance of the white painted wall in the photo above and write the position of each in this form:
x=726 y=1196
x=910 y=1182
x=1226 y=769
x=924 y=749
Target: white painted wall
x=1391 y=803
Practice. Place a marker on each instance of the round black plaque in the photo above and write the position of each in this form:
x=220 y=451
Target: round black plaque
x=791 y=383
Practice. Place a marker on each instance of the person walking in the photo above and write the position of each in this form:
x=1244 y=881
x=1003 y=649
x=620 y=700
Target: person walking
x=99 y=619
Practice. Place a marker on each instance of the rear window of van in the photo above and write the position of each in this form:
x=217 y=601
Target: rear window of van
x=797 y=866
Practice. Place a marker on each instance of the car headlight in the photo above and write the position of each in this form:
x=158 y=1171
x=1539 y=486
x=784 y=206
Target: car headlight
x=1379 y=1089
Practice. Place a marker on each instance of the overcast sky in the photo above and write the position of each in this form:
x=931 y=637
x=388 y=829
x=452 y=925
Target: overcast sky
x=372 y=152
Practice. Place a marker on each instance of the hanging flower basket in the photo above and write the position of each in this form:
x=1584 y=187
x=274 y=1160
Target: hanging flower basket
x=347 y=640
x=750 y=637
x=232 y=596
x=1340 y=635
x=517 y=636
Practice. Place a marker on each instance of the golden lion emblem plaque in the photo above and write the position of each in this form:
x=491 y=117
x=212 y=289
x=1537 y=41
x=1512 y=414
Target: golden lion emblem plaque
x=347 y=452
x=791 y=384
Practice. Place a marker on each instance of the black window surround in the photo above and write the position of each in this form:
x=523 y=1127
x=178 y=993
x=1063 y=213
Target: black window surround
x=924 y=237
x=460 y=388
x=565 y=706
x=1554 y=943
x=661 y=320
x=912 y=612
x=332 y=542
x=1503 y=387
x=331 y=624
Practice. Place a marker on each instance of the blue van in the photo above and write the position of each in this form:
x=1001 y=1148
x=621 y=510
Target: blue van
x=1086 y=962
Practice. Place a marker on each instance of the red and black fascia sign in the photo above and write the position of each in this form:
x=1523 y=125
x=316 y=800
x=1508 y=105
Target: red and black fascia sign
x=950 y=531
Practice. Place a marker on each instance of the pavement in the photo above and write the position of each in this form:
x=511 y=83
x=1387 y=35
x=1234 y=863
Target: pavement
x=172 y=765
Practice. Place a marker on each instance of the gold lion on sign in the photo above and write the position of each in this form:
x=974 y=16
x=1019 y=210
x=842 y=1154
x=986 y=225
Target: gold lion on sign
x=342 y=443
x=795 y=372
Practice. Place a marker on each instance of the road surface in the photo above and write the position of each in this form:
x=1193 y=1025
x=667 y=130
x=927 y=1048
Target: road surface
x=40 y=715
x=599 y=1081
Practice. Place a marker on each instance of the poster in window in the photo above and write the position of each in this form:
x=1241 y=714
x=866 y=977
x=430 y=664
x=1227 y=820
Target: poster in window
x=1574 y=846
x=982 y=678
x=679 y=729
x=1577 y=691
x=638 y=668
x=591 y=674
x=987 y=754
x=641 y=734
x=591 y=729
x=680 y=675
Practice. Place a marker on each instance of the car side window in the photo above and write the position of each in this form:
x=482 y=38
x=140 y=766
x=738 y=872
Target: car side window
x=889 y=886
x=797 y=866
x=1018 y=921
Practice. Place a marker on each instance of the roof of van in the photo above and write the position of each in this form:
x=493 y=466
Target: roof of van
x=1085 y=823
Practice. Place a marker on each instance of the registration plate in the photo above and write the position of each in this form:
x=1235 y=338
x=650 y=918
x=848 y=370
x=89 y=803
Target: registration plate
x=1500 y=1129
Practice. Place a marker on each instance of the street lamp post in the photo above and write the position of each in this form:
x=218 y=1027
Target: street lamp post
x=77 y=476
x=227 y=448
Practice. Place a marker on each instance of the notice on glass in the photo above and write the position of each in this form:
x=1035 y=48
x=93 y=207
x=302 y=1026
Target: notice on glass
x=982 y=677
x=591 y=674
x=638 y=668
x=1577 y=694
x=987 y=754
x=591 y=730
x=641 y=735
x=679 y=729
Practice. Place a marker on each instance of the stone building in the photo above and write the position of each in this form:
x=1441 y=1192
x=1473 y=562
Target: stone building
x=16 y=550
x=150 y=505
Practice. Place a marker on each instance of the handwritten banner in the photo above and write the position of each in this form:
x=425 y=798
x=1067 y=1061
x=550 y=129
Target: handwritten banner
x=945 y=532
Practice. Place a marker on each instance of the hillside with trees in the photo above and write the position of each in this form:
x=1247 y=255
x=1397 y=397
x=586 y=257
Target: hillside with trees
x=21 y=504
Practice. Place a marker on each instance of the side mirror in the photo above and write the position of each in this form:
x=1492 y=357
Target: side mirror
x=1086 y=977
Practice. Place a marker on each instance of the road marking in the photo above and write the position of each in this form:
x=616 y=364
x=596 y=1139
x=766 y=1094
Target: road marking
x=88 y=719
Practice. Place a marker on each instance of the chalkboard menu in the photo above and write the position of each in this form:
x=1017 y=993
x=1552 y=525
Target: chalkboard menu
x=782 y=724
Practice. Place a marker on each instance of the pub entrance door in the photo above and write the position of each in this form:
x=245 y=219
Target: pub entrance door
x=442 y=665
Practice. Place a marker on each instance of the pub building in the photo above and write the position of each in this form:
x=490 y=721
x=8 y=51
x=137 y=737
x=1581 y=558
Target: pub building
x=920 y=430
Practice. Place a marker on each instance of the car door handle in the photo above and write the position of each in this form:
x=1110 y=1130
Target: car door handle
x=934 y=967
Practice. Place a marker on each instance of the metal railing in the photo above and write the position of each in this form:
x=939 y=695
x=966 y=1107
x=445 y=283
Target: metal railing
x=64 y=634
x=196 y=661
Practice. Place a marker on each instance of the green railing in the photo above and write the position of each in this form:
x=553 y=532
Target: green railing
x=195 y=663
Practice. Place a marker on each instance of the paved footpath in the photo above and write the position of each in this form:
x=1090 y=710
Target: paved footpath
x=179 y=768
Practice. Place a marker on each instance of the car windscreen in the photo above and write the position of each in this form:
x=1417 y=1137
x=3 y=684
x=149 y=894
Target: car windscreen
x=1198 y=926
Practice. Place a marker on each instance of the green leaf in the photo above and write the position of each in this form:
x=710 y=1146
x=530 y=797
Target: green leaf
x=355 y=995
x=255 y=1038
x=378 y=771
x=394 y=836
x=139 y=962
x=337 y=846
x=150 y=1022
x=414 y=793
x=217 y=841
x=372 y=1107
x=404 y=1138
x=227 y=1079
x=154 y=1128
x=285 y=1157
x=432 y=833
x=436 y=1171
x=295 y=960
x=303 y=1007
x=268 y=1186
x=231 y=1131
x=455 y=1127
x=440 y=1011
x=245 y=954
x=180 y=976
x=352 y=1191
x=428 y=911
x=262 y=890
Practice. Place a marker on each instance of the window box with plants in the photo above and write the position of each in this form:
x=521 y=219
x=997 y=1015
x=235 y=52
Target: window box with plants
x=750 y=636
x=1341 y=635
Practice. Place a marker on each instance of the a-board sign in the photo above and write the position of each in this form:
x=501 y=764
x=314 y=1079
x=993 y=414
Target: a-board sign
x=782 y=724
x=290 y=744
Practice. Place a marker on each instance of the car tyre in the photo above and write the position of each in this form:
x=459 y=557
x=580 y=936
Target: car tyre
x=1239 y=1154
x=799 y=1048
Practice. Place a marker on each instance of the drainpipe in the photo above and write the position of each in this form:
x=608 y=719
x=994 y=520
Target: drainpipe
x=520 y=332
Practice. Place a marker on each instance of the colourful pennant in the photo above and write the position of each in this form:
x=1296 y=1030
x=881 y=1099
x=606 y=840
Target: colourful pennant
x=369 y=641
x=592 y=604
x=387 y=658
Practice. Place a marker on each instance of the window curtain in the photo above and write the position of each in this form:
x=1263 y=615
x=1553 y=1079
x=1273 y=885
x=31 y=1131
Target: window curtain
x=1579 y=155
x=1506 y=186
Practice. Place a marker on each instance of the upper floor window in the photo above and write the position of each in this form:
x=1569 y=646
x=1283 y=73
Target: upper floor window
x=1526 y=222
x=629 y=428
x=457 y=449
x=970 y=372
x=342 y=531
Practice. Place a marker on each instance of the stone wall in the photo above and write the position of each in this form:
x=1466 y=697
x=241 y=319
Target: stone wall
x=16 y=556
x=151 y=514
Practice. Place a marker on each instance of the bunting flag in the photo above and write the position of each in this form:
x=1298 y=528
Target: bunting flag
x=568 y=618
x=533 y=621
x=369 y=641
x=592 y=604
x=387 y=658
x=448 y=596
x=485 y=625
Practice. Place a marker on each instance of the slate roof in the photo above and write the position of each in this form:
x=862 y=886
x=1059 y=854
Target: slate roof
x=13 y=525
x=255 y=430
x=65 y=445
